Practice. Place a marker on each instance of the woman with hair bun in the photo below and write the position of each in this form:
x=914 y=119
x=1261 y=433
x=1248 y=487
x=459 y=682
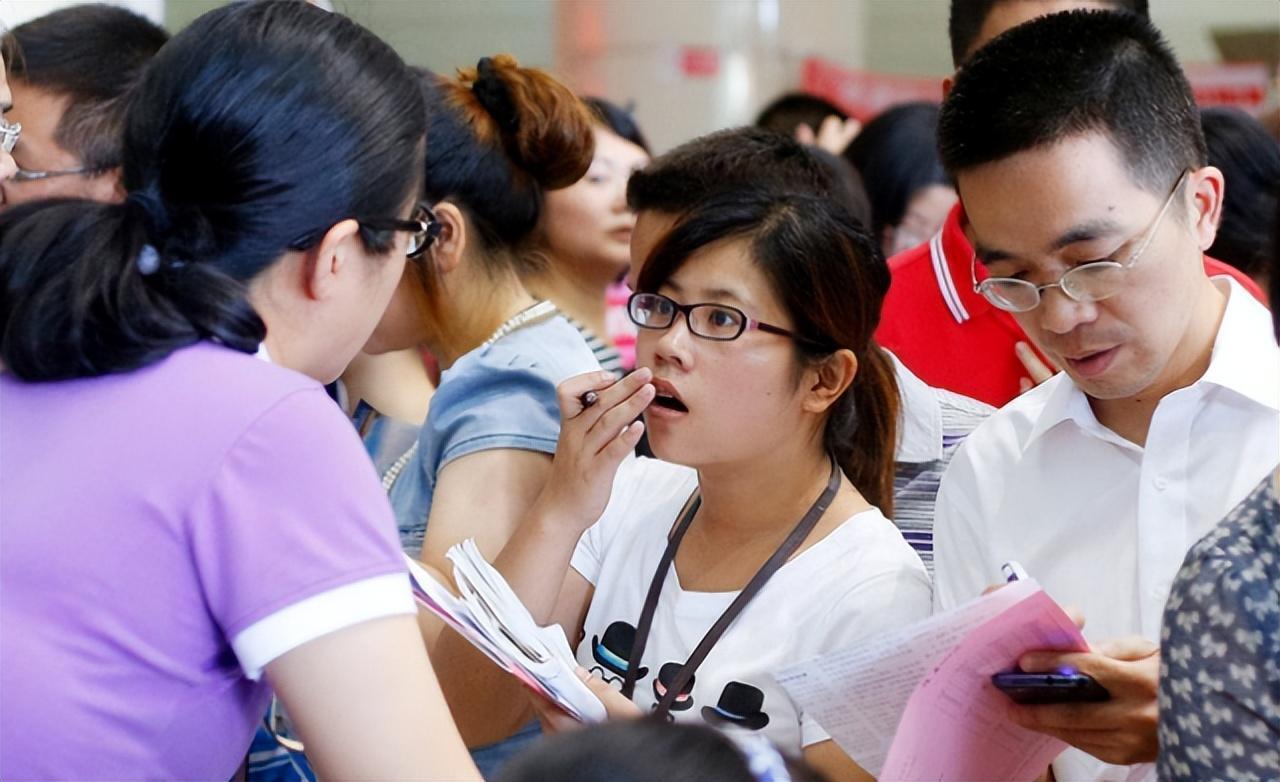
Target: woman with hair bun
x=156 y=469
x=499 y=136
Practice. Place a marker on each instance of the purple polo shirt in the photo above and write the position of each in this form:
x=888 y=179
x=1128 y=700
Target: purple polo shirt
x=147 y=520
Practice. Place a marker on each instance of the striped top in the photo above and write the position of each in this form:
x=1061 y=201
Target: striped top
x=915 y=484
x=608 y=356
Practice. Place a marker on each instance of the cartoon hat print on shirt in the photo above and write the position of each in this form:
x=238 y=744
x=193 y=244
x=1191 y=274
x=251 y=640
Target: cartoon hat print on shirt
x=613 y=652
x=666 y=675
x=739 y=705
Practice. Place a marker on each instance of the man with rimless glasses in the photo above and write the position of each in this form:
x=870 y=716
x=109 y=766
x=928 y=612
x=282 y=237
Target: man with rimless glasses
x=71 y=72
x=1089 y=205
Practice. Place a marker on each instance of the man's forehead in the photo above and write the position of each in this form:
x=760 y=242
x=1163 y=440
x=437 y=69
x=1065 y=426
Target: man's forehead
x=1041 y=201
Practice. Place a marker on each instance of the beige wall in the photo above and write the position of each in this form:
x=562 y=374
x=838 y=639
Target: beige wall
x=910 y=36
x=437 y=34
x=15 y=12
x=632 y=51
x=629 y=49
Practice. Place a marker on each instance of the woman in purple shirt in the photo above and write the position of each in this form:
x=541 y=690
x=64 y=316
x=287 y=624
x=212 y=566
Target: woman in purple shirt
x=187 y=526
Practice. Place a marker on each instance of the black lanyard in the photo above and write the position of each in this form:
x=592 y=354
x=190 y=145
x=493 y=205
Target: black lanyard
x=757 y=582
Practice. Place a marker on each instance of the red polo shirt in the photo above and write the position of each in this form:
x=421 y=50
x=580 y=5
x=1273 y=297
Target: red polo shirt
x=951 y=336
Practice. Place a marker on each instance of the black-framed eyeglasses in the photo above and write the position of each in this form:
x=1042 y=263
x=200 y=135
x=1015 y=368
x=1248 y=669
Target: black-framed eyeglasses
x=423 y=228
x=718 y=322
x=10 y=132
x=28 y=175
x=1086 y=283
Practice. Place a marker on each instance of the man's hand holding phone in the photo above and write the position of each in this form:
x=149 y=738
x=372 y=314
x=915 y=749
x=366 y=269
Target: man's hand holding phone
x=1119 y=730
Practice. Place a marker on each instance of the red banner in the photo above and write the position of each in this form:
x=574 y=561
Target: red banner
x=1242 y=85
x=864 y=94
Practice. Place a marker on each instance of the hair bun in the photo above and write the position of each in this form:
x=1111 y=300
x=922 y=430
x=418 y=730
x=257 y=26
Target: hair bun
x=544 y=128
x=494 y=95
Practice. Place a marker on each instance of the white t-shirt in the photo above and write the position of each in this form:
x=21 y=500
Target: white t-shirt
x=857 y=582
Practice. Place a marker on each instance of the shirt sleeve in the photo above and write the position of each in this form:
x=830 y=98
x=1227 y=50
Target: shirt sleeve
x=295 y=538
x=960 y=567
x=488 y=408
x=887 y=601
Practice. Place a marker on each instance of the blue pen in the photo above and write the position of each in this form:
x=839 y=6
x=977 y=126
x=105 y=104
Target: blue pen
x=1012 y=571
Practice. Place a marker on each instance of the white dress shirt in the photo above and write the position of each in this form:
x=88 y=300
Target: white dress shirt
x=1102 y=523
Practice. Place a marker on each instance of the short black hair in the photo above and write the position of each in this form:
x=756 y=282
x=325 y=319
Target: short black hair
x=1068 y=74
x=968 y=16
x=643 y=750
x=897 y=155
x=94 y=55
x=746 y=158
x=1249 y=157
x=621 y=122
x=787 y=111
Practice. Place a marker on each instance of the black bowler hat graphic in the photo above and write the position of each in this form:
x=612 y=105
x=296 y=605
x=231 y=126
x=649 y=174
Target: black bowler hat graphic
x=614 y=650
x=666 y=675
x=739 y=705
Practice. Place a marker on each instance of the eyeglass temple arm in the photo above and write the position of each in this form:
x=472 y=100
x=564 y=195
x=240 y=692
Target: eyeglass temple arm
x=1151 y=232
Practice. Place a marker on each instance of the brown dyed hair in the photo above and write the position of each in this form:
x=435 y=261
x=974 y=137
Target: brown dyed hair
x=831 y=278
x=498 y=136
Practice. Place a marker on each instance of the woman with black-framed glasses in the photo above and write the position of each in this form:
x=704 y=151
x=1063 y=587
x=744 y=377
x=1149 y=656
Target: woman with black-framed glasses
x=165 y=441
x=499 y=136
x=760 y=536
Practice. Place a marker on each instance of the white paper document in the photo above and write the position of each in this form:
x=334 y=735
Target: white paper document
x=489 y=614
x=918 y=703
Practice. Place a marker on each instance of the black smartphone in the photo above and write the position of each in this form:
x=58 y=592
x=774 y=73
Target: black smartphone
x=1052 y=687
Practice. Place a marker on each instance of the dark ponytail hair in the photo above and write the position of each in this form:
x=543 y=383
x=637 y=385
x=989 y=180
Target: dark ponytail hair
x=254 y=131
x=500 y=136
x=831 y=278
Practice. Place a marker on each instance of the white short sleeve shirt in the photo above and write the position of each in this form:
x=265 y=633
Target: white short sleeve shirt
x=860 y=580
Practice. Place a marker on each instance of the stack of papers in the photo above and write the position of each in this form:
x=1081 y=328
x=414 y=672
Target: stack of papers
x=489 y=615
x=918 y=703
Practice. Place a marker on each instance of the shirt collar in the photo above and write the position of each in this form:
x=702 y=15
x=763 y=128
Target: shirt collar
x=1244 y=360
x=952 y=257
x=919 y=418
x=263 y=354
x=1064 y=401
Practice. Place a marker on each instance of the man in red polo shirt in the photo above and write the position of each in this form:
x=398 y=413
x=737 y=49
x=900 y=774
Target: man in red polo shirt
x=932 y=319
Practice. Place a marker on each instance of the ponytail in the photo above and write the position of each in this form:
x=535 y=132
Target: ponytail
x=252 y=132
x=862 y=429
x=75 y=301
